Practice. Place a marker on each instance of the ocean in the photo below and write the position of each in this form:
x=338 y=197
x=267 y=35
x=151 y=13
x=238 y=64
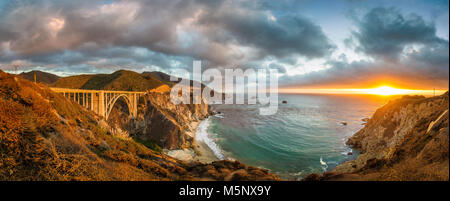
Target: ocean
x=306 y=135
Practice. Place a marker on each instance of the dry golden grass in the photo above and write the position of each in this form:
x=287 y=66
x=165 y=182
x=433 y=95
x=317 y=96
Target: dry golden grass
x=416 y=170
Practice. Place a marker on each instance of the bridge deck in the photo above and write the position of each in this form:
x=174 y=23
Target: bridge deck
x=93 y=91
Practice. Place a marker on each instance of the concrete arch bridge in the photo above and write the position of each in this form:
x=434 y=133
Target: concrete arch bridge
x=101 y=101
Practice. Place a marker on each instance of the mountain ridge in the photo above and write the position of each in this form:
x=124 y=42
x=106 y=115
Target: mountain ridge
x=122 y=80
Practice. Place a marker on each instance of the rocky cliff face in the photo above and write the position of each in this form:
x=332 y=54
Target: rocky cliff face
x=407 y=139
x=167 y=124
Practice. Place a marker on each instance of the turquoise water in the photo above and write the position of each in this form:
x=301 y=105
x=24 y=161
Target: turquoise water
x=306 y=135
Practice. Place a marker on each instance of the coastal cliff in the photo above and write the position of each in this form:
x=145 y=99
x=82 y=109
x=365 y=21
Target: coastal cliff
x=170 y=126
x=406 y=139
x=44 y=136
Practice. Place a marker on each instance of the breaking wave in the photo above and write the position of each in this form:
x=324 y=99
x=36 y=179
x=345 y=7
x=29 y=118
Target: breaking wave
x=203 y=136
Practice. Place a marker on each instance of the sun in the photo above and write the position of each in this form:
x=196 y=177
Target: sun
x=387 y=91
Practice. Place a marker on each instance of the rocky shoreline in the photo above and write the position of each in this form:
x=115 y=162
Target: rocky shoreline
x=406 y=139
x=200 y=152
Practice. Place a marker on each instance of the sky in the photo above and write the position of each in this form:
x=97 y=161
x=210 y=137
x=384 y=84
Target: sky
x=312 y=44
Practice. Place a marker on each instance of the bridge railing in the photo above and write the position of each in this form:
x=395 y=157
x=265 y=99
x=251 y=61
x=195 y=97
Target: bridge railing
x=94 y=91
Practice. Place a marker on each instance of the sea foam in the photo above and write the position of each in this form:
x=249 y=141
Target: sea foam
x=202 y=135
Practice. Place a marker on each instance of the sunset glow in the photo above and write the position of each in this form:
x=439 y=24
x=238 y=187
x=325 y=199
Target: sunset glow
x=384 y=90
x=387 y=90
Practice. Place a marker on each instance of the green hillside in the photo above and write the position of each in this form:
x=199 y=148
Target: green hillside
x=41 y=77
x=160 y=76
x=119 y=80
x=74 y=82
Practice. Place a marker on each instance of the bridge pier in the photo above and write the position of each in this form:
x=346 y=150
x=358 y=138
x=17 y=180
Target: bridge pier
x=101 y=99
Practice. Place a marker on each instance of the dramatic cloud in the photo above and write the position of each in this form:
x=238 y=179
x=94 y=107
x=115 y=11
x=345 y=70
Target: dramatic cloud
x=312 y=43
x=366 y=74
x=385 y=32
x=221 y=33
x=281 y=37
x=280 y=68
x=404 y=51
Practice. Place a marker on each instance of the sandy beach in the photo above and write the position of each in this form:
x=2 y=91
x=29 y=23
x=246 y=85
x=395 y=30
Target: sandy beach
x=201 y=152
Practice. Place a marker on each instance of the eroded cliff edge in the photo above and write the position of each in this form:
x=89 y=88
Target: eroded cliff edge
x=169 y=125
x=406 y=139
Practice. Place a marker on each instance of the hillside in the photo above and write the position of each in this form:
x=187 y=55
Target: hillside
x=41 y=77
x=166 y=79
x=44 y=136
x=160 y=76
x=74 y=82
x=119 y=80
x=407 y=139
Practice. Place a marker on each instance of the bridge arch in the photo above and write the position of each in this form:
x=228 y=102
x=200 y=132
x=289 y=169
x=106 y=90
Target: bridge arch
x=112 y=102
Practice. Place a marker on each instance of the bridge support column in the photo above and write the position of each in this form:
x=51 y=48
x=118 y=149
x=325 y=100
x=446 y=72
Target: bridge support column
x=96 y=103
x=101 y=103
x=92 y=101
x=82 y=100
x=134 y=113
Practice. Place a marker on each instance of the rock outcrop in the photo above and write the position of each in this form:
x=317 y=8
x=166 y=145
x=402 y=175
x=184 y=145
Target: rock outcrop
x=407 y=139
x=169 y=125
